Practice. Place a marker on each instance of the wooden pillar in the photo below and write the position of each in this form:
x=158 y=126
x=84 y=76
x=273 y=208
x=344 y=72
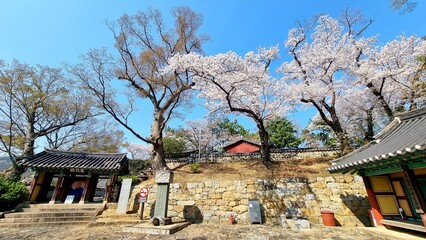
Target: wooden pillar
x=86 y=187
x=64 y=187
x=92 y=188
x=108 y=189
x=373 y=201
x=419 y=195
x=57 y=189
x=37 y=186
x=33 y=184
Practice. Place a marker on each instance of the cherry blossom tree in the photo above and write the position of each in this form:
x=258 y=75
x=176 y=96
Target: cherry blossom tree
x=233 y=84
x=144 y=44
x=361 y=118
x=318 y=74
x=351 y=80
x=199 y=135
x=208 y=134
x=138 y=151
x=394 y=75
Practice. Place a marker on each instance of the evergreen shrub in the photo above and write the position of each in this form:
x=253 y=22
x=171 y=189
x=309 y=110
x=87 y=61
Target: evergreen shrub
x=12 y=192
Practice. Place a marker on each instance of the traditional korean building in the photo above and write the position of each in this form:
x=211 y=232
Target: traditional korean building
x=241 y=146
x=73 y=176
x=393 y=167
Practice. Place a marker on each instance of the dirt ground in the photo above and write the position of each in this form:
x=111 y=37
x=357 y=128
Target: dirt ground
x=252 y=170
x=201 y=232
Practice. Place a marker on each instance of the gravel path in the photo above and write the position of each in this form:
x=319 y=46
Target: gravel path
x=201 y=231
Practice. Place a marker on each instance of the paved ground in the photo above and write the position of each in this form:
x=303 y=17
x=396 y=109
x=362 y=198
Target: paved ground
x=201 y=232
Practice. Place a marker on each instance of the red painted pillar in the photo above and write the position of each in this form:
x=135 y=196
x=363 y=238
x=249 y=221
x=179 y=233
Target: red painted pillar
x=33 y=184
x=373 y=201
x=57 y=188
x=86 y=187
x=108 y=189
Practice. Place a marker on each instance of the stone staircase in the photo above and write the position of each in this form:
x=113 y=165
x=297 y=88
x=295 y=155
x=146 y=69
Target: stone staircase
x=47 y=214
x=110 y=217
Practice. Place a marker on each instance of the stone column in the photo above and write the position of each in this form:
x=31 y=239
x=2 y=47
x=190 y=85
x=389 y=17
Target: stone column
x=163 y=178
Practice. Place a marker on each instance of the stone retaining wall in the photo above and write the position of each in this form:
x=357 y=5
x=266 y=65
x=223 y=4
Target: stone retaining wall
x=212 y=202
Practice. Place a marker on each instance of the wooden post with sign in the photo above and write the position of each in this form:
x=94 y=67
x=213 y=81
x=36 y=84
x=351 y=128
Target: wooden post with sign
x=143 y=196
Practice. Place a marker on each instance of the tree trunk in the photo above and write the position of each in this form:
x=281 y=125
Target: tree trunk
x=265 y=152
x=158 y=154
x=345 y=146
x=334 y=124
x=382 y=101
x=158 y=157
x=28 y=146
x=413 y=104
x=29 y=136
x=342 y=137
x=369 y=133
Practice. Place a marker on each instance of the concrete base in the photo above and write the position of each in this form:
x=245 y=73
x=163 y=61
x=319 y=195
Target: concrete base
x=148 y=228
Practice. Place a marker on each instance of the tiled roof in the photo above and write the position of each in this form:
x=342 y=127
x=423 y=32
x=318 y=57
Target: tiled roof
x=406 y=134
x=55 y=159
x=240 y=140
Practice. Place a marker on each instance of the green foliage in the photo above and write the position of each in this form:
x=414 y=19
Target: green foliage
x=320 y=133
x=133 y=177
x=12 y=192
x=232 y=127
x=173 y=145
x=136 y=166
x=194 y=167
x=282 y=133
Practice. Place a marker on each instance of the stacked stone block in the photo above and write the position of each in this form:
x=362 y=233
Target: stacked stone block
x=213 y=201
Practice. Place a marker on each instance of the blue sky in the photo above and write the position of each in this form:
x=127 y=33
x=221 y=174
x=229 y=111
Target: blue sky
x=53 y=32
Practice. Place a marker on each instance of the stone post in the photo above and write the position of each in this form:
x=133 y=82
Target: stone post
x=163 y=178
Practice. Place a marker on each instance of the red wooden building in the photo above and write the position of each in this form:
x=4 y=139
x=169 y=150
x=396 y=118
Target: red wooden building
x=59 y=175
x=241 y=146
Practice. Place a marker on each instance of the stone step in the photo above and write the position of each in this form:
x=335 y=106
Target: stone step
x=41 y=224
x=61 y=205
x=47 y=219
x=115 y=215
x=49 y=214
x=89 y=209
x=115 y=222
